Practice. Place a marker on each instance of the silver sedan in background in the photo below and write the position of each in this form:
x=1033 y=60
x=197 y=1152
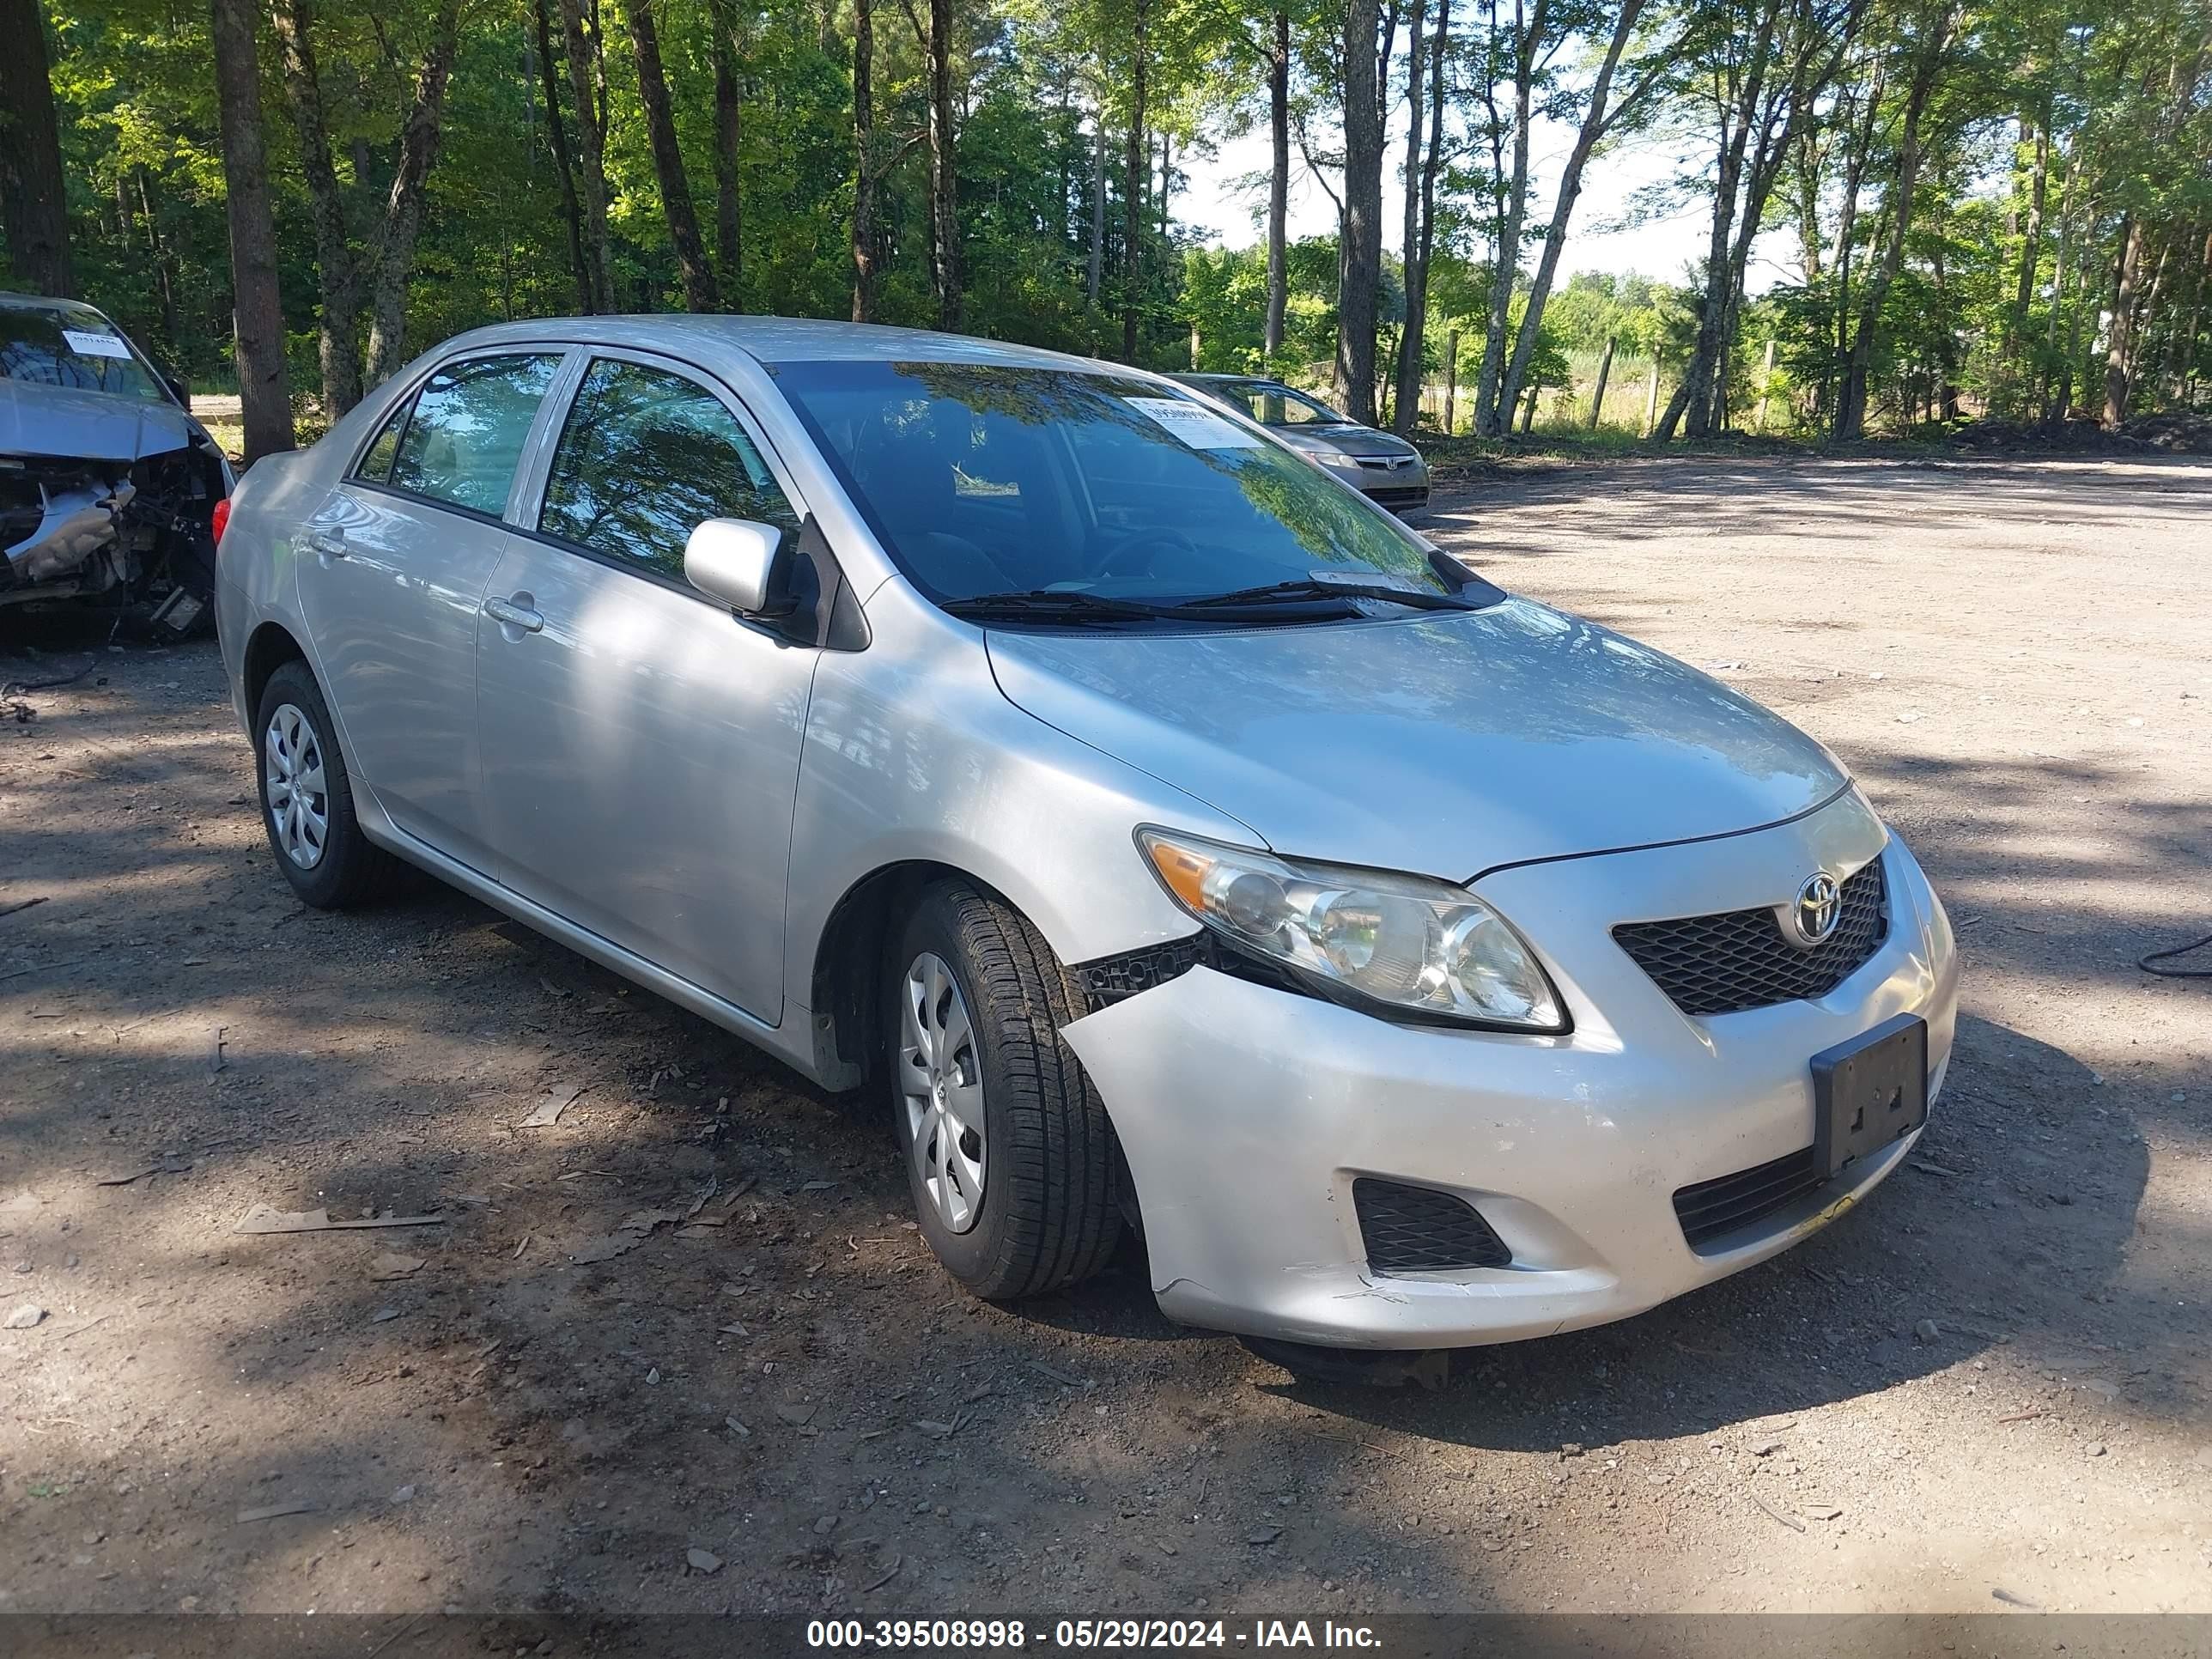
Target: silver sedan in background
x=1169 y=839
x=1382 y=466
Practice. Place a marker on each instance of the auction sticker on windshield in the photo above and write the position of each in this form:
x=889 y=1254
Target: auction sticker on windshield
x=1200 y=429
x=88 y=344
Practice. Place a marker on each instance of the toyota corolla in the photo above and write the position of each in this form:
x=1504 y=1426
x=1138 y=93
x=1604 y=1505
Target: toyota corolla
x=1165 y=835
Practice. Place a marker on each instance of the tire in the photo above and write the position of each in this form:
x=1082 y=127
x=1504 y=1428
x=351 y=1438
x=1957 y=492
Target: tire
x=1049 y=1212
x=330 y=863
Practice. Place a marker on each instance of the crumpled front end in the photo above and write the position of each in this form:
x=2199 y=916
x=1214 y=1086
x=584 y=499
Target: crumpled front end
x=138 y=534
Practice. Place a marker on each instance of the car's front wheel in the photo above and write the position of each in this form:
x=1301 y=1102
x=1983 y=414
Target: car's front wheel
x=306 y=798
x=1009 y=1154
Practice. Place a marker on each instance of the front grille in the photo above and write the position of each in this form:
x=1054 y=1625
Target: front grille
x=1711 y=1208
x=1722 y=965
x=1409 y=1230
x=1399 y=496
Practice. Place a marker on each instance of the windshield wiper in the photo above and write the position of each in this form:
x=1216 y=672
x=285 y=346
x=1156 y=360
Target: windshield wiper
x=1306 y=589
x=1050 y=602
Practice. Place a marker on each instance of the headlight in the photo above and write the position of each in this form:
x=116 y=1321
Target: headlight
x=1412 y=946
x=1335 y=458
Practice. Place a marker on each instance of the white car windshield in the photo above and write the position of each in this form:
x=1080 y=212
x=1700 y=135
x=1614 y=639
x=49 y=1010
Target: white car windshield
x=993 y=479
x=48 y=346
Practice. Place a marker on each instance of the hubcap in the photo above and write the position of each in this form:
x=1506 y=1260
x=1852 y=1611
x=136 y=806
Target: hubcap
x=292 y=778
x=941 y=1085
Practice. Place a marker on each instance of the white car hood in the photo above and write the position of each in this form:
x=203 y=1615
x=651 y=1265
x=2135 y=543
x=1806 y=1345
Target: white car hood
x=1445 y=744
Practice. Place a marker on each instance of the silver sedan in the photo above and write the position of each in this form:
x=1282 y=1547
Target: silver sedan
x=1169 y=839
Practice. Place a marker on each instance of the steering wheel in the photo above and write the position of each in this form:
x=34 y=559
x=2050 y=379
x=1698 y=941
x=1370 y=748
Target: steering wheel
x=1154 y=541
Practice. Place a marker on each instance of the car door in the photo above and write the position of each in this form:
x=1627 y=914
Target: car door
x=392 y=571
x=640 y=742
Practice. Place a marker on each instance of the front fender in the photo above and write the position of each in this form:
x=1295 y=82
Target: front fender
x=913 y=754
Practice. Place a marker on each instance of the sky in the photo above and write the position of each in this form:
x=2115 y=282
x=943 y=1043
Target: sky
x=1606 y=233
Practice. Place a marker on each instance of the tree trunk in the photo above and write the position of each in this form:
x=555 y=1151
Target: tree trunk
x=2030 y=249
x=1167 y=176
x=1096 y=272
x=1604 y=373
x=1451 y=382
x=1278 y=186
x=1596 y=119
x=1361 y=260
x=402 y=213
x=943 y=183
x=165 y=264
x=1705 y=369
x=339 y=334
x=264 y=385
x=590 y=145
x=2059 y=275
x=1851 y=403
x=1493 y=412
x=34 y=192
x=1133 y=169
x=864 y=155
x=556 y=132
x=2119 y=347
x=2181 y=351
x=1420 y=213
x=729 y=142
x=699 y=292
x=1652 y=395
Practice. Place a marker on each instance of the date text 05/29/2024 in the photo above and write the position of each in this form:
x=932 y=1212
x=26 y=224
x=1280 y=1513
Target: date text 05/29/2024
x=880 y=1635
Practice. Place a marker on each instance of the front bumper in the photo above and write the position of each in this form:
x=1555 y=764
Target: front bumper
x=1246 y=1113
x=1401 y=489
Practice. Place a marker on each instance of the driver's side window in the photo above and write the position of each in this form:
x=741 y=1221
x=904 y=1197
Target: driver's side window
x=645 y=456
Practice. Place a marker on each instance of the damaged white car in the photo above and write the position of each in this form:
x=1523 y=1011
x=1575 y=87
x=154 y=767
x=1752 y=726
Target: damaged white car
x=109 y=489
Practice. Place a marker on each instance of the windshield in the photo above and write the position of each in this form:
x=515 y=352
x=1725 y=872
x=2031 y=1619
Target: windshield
x=50 y=347
x=1273 y=405
x=992 y=479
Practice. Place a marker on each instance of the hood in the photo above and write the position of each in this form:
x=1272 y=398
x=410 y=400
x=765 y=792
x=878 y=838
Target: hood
x=68 y=422
x=1443 y=746
x=1346 y=440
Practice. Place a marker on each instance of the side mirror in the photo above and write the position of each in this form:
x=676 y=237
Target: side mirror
x=179 y=388
x=742 y=564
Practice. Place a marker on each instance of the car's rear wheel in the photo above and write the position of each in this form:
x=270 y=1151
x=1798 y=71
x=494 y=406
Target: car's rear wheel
x=1009 y=1154
x=306 y=799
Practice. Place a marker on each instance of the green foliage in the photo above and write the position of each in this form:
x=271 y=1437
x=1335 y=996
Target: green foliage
x=2109 y=106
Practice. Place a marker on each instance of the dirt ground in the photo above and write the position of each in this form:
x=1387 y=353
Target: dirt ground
x=691 y=1316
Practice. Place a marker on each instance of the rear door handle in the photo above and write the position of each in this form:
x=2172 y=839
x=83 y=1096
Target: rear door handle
x=511 y=615
x=326 y=545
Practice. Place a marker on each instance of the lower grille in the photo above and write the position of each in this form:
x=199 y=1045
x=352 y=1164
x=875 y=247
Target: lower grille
x=1738 y=959
x=1711 y=1208
x=1399 y=496
x=1409 y=1230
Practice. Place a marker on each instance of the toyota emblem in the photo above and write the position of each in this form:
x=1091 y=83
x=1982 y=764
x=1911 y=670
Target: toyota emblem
x=1819 y=907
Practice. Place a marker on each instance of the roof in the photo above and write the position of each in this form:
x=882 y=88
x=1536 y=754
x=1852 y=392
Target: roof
x=48 y=302
x=776 y=339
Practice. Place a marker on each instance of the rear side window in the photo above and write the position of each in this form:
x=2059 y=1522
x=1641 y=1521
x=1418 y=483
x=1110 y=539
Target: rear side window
x=645 y=456
x=469 y=422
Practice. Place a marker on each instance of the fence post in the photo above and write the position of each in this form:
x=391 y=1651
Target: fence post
x=1651 y=395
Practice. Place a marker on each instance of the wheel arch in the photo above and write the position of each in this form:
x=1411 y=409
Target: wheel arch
x=848 y=955
x=270 y=646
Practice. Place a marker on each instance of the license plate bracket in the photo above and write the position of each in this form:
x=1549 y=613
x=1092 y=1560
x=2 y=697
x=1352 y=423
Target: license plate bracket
x=1869 y=1092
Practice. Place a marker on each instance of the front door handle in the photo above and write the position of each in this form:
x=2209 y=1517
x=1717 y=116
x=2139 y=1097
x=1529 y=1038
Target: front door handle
x=510 y=614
